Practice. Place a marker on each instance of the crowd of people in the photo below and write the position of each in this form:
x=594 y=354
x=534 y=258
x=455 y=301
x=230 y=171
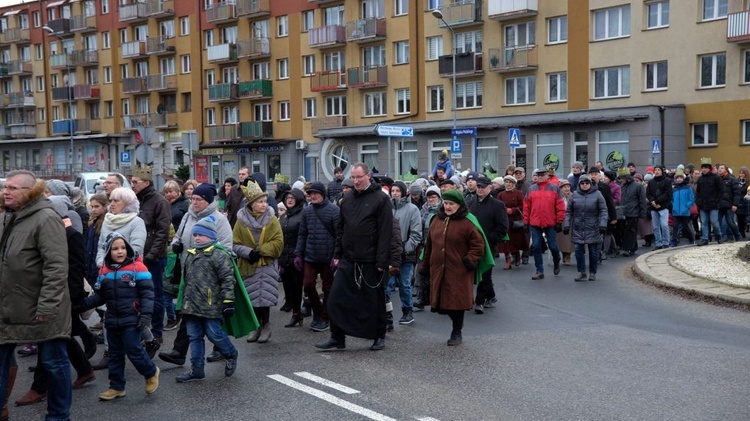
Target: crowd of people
x=208 y=262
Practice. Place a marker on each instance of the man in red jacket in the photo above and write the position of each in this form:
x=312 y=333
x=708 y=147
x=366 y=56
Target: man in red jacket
x=544 y=213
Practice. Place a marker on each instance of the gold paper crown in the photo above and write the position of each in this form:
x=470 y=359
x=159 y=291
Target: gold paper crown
x=144 y=173
x=623 y=171
x=252 y=192
x=705 y=161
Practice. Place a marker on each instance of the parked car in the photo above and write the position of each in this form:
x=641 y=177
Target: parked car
x=93 y=182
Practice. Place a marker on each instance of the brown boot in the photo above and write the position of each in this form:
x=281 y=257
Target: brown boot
x=12 y=371
x=31 y=397
x=507 y=262
x=517 y=258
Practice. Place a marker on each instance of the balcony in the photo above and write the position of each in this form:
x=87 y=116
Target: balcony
x=467 y=64
x=511 y=9
x=327 y=123
x=253 y=8
x=86 y=92
x=134 y=85
x=160 y=8
x=64 y=127
x=223 y=133
x=19 y=67
x=84 y=58
x=63 y=93
x=16 y=35
x=738 y=27
x=461 y=13
x=4 y=100
x=4 y=69
x=222 y=53
x=83 y=23
x=58 y=61
x=62 y=27
x=254 y=48
x=365 y=30
x=4 y=132
x=20 y=100
x=223 y=92
x=160 y=46
x=327 y=36
x=513 y=59
x=367 y=77
x=255 y=89
x=332 y=80
x=221 y=13
x=133 y=12
x=161 y=82
x=256 y=130
x=86 y=125
x=133 y=49
x=26 y=129
x=153 y=120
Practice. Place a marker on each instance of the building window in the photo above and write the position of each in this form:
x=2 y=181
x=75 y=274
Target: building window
x=208 y=36
x=308 y=21
x=40 y=83
x=434 y=47
x=308 y=65
x=262 y=70
x=109 y=109
x=468 y=42
x=520 y=90
x=230 y=115
x=125 y=107
x=123 y=36
x=106 y=42
x=746 y=132
x=713 y=70
x=746 y=67
x=210 y=116
x=187 y=102
x=262 y=112
x=375 y=104
x=469 y=95
x=373 y=56
x=94 y=111
x=210 y=77
x=657 y=15
x=282 y=25
x=336 y=105
x=434 y=4
x=401 y=7
x=107 y=74
x=283 y=68
x=369 y=155
x=558 y=87
x=402 y=52
x=311 y=107
x=557 y=30
x=612 y=23
x=185 y=25
x=520 y=34
x=37 y=19
x=41 y=112
x=335 y=60
x=612 y=82
x=284 y=112
x=705 y=134
x=408 y=160
x=39 y=52
x=105 y=7
x=403 y=101
x=166 y=66
x=435 y=98
x=185 y=64
x=656 y=76
x=714 y=9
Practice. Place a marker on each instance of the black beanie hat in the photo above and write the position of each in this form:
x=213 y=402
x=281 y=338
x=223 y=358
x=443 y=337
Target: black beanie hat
x=206 y=191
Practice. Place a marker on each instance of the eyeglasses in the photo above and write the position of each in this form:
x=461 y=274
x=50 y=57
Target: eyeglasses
x=14 y=188
x=584 y=182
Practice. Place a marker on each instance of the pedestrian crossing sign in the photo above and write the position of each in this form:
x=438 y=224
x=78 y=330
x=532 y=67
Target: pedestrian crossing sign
x=655 y=147
x=514 y=137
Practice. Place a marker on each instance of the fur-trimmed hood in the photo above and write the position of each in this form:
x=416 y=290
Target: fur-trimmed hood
x=30 y=196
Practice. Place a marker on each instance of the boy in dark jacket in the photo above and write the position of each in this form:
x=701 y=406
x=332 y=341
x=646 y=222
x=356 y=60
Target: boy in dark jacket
x=207 y=298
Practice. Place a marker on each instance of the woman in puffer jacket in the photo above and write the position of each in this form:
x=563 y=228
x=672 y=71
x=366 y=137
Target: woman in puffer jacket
x=587 y=216
x=291 y=278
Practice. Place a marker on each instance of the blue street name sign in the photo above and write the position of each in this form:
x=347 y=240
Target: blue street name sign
x=395 y=131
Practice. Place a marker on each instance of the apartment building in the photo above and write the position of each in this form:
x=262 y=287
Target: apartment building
x=298 y=87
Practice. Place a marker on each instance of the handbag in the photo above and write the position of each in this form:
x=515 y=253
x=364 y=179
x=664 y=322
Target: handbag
x=517 y=225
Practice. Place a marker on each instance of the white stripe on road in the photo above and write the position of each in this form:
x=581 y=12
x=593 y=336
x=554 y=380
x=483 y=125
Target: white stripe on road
x=327 y=383
x=427 y=419
x=330 y=398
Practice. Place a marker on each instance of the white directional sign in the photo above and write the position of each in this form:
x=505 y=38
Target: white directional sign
x=395 y=131
x=655 y=147
x=514 y=137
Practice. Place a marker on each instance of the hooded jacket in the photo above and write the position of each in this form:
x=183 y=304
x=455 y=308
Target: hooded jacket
x=731 y=192
x=76 y=252
x=586 y=214
x=709 y=191
x=317 y=232
x=263 y=234
x=682 y=198
x=290 y=225
x=208 y=282
x=156 y=214
x=184 y=233
x=543 y=206
x=410 y=227
x=659 y=190
x=633 y=199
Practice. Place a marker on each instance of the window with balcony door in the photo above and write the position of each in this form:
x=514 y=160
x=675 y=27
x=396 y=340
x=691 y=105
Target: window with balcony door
x=142 y=105
x=657 y=15
x=230 y=74
x=92 y=77
x=403 y=101
x=334 y=60
x=261 y=29
x=23 y=21
x=612 y=23
x=373 y=56
x=94 y=111
x=468 y=42
x=166 y=29
x=262 y=112
x=65 y=11
x=140 y=33
x=89 y=43
x=372 y=9
x=435 y=98
x=230 y=114
x=713 y=70
x=51 y=14
x=469 y=95
x=141 y=68
x=208 y=37
x=166 y=65
x=434 y=47
x=520 y=90
x=612 y=82
x=401 y=52
x=333 y=16
x=714 y=9
x=656 y=75
x=308 y=21
x=25 y=53
x=262 y=70
x=228 y=35
x=336 y=105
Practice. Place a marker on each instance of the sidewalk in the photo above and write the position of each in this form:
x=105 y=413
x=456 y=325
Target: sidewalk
x=655 y=267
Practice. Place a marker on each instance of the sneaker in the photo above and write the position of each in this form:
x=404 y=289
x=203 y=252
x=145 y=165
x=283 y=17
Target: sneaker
x=172 y=324
x=28 y=350
x=231 y=364
x=538 y=276
x=489 y=303
x=407 y=318
x=152 y=383
x=190 y=376
x=82 y=380
x=478 y=309
x=110 y=394
x=152 y=347
x=581 y=277
x=592 y=277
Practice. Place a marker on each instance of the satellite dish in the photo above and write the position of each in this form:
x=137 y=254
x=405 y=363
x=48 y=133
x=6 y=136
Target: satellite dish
x=161 y=109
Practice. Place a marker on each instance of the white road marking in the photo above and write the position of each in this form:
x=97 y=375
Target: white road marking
x=326 y=382
x=331 y=399
x=427 y=419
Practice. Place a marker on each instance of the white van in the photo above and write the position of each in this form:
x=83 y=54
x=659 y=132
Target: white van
x=92 y=183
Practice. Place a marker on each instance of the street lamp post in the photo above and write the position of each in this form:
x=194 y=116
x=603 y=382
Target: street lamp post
x=70 y=98
x=439 y=15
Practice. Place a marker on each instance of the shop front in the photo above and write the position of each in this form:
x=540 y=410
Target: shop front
x=215 y=164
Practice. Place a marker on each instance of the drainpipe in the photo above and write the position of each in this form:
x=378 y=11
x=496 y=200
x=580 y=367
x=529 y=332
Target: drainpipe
x=662 y=109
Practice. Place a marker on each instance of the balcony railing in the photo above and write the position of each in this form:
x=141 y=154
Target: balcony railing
x=256 y=130
x=86 y=92
x=223 y=92
x=86 y=125
x=327 y=36
x=222 y=53
x=61 y=127
x=84 y=58
x=161 y=82
x=256 y=89
x=63 y=93
x=19 y=67
x=133 y=12
x=327 y=122
x=134 y=85
x=221 y=12
x=738 y=27
x=26 y=129
x=160 y=46
x=459 y=13
x=20 y=99
x=332 y=80
x=160 y=8
x=133 y=49
x=365 y=30
x=4 y=69
x=83 y=23
x=61 y=27
x=367 y=77
x=59 y=61
x=155 y=120
x=16 y=35
x=222 y=133
x=467 y=64
x=512 y=59
x=253 y=8
x=254 y=48
x=511 y=9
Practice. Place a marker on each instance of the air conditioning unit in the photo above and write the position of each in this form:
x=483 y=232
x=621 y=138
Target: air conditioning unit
x=300 y=145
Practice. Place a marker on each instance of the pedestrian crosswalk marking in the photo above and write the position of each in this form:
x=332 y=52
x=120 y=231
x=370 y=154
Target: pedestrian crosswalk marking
x=326 y=382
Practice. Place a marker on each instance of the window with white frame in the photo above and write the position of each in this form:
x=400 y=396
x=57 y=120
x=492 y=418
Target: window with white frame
x=123 y=36
x=657 y=14
x=185 y=25
x=374 y=104
x=746 y=66
x=37 y=19
x=713 y=70
x=210 y=116
x=334 y=60
x=105 y=7
x=142 y=105
x=612 y=82
x=141 y=68
x=402 y=52
x=39 y=52
x=434 y=4
x=369 y=155
x=124 y=71
x=557 y=30
x=333 y=16
x=126 y=106
x=55 y=113
x=89 y=8
x=434 y=47
x=262 y=112
x=435 y=98
x=520 y=34
x=106 y=42
x=308 y=65
x=40 y=83
x=310 y=107
x=166 y=66
x=400 y=7
x=92 y=77
x=230 y=114
x=612 y=23
x=372 y=9
x=558 y=87
x=166 y=29
x=51 y=14
x=284 y=111
x=210 y=77
x=714 y=9
x=185 y=64
x=94 y=111
x=487 y=156
x=373 y=56
x=261 y=29
x=282 y=26
x=469 y=95
x=308 y=21
x=228 y=34
x=336 y=105
x=746 y=132
x=705 y=134
x=403 y=101
x=230 y=74
x=140 y=33
x=282 y=66
x=408 y=160
x=208 y=36
x=656 y=75
x=23 y=20
x=520 y=90
x=41 y=112
x=468 y=42
x=90 y=42
x=262 y=70
x=109 y=108
x=107 y=71
x=25 y=53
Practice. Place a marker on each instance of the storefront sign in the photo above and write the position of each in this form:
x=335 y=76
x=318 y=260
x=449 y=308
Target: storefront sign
x=254 y=149
x=551 y=160
x=212 y=151
x=615 y=160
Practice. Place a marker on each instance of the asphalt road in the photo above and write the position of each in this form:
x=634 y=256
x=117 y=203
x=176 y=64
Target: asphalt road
x=614 y=349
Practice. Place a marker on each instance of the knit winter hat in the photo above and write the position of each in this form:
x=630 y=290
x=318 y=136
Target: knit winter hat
x=454 y=196
x=206 y=191
x=317 y=187
x=206 y=227
x=348 y=182
x=415 y=189
x=578 y=164
x=253 y=192
x=57 y=187
x=434 y=190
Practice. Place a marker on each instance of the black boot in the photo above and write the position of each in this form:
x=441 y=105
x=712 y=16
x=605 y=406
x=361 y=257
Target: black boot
x=173 y=357
x=389 y=321
x=331 y=345
x=455 y=339
x=296 y=319
x=306 y=310
x=378 y=344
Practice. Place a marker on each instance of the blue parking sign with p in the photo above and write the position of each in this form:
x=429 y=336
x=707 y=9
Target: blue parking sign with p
x=456 y=146
x=124 y=156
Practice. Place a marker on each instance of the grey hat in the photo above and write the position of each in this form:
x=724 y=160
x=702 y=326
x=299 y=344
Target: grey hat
x=578 y=164
x=583 y=178
x=434 y=190
x=415 y=189
x=57 y=188
x=348 y=182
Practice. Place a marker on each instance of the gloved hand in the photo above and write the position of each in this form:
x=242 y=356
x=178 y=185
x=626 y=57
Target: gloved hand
x=253 y=257
x=393 y=270
x=467 y=263
x=227 y=309
x=527 y=228
x=566 y=230
x=178 y=248
x=144 y=322
x=298 y=263
x=558 y=227
x=602 y=230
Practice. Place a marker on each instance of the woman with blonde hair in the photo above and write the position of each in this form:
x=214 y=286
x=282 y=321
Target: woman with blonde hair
x=177 y=200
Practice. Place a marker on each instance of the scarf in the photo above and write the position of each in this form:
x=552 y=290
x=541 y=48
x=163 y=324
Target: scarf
x=114 y=222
